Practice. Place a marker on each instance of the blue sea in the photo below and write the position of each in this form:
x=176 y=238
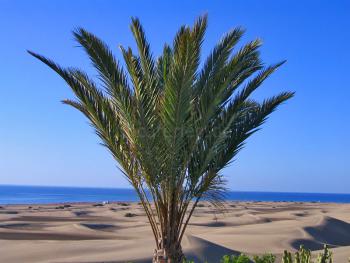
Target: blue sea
x=46 y=195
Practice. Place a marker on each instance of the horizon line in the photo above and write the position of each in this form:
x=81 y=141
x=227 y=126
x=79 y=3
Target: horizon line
x=130 y=188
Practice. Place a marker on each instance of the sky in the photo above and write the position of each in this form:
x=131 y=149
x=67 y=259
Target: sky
x=303 y=147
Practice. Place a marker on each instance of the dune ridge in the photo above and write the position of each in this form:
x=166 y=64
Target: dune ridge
x=104 y=233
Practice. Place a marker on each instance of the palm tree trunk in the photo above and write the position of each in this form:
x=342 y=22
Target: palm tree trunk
x=170 y=252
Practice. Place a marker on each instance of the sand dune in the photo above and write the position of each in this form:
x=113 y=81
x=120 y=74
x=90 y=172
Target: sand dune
x=331 y=231
x=106 y=233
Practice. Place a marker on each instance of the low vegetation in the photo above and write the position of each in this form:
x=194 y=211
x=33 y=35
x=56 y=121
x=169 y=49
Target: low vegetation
x=303 y=255
x=267 y=258
x=129 y=215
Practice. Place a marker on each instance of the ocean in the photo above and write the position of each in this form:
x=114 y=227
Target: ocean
x=46 y=195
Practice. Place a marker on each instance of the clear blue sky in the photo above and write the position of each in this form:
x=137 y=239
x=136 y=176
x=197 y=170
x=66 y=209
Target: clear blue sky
x=305 y=145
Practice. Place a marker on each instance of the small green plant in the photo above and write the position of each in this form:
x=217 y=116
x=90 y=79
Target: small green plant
x=266 y=258
x=225 y=259
x=325 y=256
x=303 y=255
x=287 y=257
x=235 y=259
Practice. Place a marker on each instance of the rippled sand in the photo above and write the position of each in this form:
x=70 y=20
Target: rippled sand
x=90 y=233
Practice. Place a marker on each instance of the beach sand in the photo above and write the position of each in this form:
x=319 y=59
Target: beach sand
x=102 y=233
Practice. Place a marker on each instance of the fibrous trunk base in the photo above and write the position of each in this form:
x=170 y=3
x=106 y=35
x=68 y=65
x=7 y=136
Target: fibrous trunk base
x=171 y=255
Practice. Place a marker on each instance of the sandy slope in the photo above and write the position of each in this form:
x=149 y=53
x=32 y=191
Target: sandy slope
x=88 y=233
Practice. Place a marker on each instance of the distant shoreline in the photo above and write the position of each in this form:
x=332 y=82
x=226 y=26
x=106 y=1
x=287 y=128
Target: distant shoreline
x=228 y=202
x=130 y=188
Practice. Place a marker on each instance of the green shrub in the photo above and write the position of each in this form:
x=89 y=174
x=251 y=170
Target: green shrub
x=287 y=257
x=129 y=215
x=304 y=255
x=325 y=256
x=235 y=259
x=266 y=258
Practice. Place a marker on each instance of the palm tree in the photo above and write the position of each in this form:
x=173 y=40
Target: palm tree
x=171 y=124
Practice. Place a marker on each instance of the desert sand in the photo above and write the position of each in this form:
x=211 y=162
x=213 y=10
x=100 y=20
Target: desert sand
x=103 y=233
